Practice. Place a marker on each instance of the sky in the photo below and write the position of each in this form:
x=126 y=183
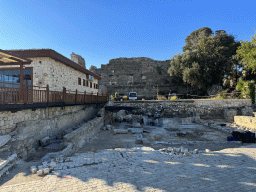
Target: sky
x=100 y=30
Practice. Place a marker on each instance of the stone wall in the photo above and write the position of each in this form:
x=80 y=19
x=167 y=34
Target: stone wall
x=9 y=121
x=78 y=137
x=208 y=109
x=57 y=75
x=139 y=74
x=48 y=122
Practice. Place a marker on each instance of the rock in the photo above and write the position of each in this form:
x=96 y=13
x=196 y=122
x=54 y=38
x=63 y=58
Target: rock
x=46 y=170
x=128 y=118
x=184 y=150
x=53 y=164
x=158 y=137
x=120 y=131
x=4 y=139
x=67 y=131
x=101 y=113
x=195 y=151
x=187 y=154
x=40 y=172
x=45 y=141
x=138 y=139
x=207 y=150
x=7 y=172
x=33 y=169
x=135 y=130
x=136 y=124
x=145 y=141
x=109 y=127
x=170 y=149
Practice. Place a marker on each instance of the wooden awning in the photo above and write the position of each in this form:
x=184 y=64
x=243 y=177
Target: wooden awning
x=7 y=58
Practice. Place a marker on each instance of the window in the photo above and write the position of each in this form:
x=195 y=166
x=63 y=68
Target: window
x=83 y=82
x=94 y=85
x=11 y=78
x=79 y=81
x=90 y=84
x=87 y=83
x=87 y=76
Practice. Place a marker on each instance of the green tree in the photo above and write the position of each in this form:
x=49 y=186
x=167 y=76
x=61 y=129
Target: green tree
x=207 y=59
x=246 y=54
x=193 y=39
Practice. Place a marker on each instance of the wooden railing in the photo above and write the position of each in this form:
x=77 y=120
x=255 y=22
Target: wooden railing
x=44 y=95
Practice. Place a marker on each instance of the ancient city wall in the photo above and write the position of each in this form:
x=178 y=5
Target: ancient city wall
x=226 y=108
x=138 y=74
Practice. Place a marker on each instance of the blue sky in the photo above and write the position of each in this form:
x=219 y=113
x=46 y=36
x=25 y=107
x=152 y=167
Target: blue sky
x=100 y=30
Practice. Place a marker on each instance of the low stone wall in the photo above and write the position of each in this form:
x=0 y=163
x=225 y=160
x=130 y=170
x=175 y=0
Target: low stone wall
x=78 y=137
x=28 y=133
x=246 y=121
x=208 y=109
x=9 y=120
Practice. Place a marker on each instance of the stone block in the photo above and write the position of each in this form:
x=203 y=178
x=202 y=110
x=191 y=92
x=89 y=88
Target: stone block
x=33 y=169
x=135 y=130
x=195 y=151
x=120 y=131
x=40 y=172
x=4 y=139
x=45 y=141
x=46 y=170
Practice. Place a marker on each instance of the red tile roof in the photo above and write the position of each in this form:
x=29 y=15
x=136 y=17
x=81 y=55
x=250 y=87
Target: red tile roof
x=32 y=53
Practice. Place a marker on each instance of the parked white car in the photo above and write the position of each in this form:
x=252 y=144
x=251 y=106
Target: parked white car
x=132 y=96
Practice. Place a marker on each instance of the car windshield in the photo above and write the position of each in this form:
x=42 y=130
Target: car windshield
x=132 y=94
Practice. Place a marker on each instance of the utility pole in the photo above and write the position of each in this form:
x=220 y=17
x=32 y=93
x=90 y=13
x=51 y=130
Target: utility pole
x=157 y=91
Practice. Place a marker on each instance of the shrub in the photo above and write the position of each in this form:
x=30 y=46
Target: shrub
x=248 y=90
x=161 y=97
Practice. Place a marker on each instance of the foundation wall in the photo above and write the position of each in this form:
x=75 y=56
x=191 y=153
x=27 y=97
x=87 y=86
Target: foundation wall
x=48 y=122
x=209 y=109
x=9 y=120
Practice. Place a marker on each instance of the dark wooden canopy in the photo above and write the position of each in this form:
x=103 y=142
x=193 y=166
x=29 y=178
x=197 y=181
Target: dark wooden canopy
x=7 y=58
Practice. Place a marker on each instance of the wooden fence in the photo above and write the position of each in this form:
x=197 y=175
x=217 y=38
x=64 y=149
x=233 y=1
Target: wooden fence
x=44 y=95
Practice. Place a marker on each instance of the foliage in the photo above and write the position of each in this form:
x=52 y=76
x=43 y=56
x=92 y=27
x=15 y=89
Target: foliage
x=248 y=90
x=161 y=97
x=174 y=98
x=193 y=39
x=207 y=59
x=246 y=53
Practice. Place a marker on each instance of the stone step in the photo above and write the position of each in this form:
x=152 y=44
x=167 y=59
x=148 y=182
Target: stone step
x=6 y=165
x=4 y=148
x=4 y=139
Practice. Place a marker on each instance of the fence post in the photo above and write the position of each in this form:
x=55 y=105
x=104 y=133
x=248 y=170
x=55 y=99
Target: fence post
x=64 y=94
x=76 y=97
x=84 y=96
x=97 y=97
x=47 y=93
x=91 y=97
x=25 y=91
